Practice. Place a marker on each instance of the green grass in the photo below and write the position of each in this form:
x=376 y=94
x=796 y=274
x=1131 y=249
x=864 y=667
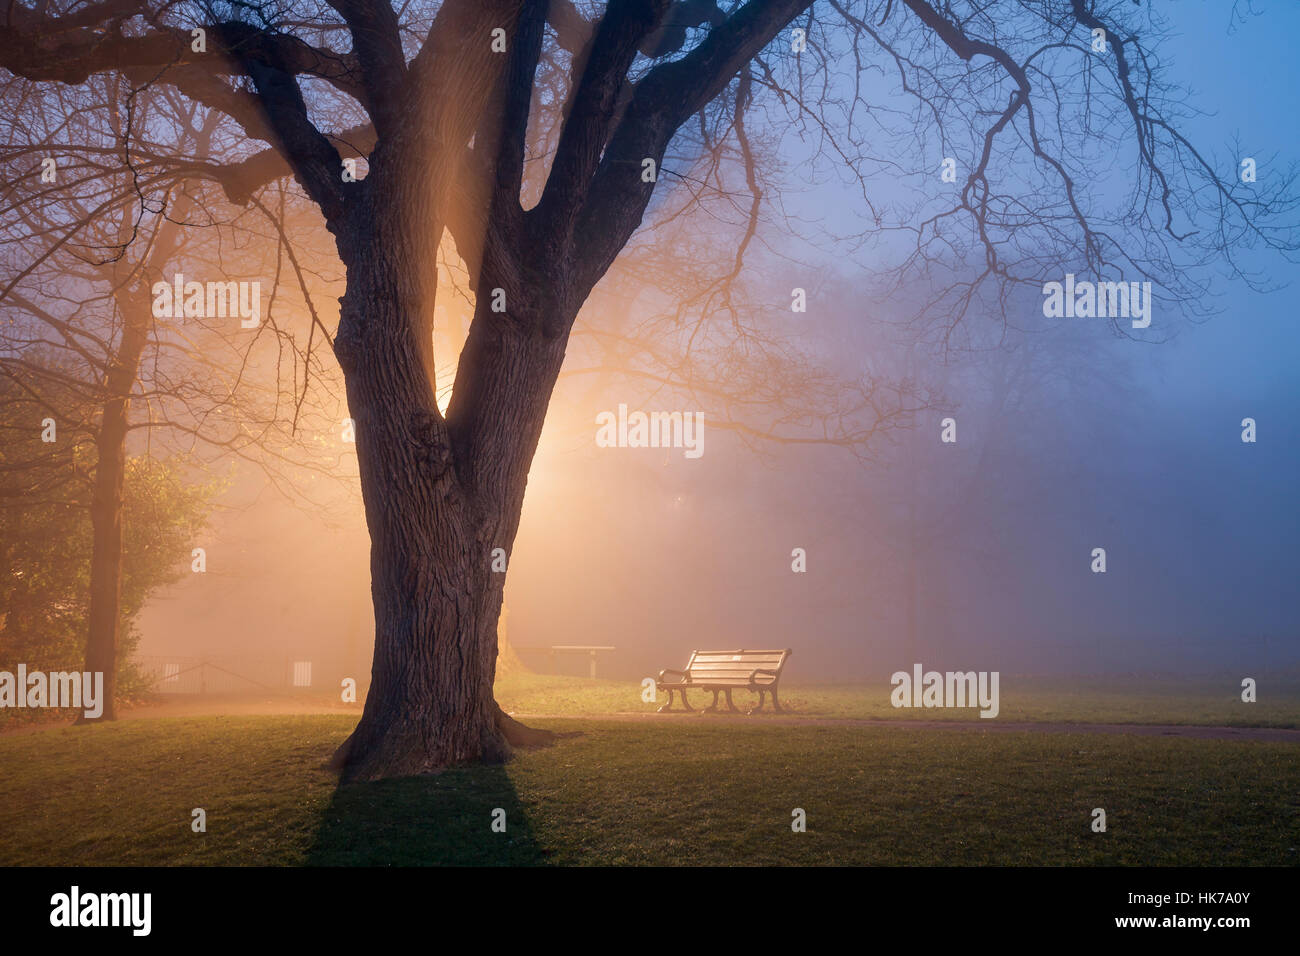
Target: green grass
x=1126 y=700
x=1122 y=700
x=656 y=793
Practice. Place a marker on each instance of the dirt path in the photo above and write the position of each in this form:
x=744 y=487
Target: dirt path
x=1272 y=734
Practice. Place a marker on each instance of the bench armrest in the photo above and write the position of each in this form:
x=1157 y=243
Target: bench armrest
x=669 y=670
x=763 y=670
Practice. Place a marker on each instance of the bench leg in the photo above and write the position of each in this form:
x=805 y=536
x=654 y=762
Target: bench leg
x=681 y=692
x=668 y=704
x=776 y=704
x=713 y=707
x=755 y=710
x=731 y=706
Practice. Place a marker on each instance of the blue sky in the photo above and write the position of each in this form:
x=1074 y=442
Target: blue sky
x=1246 y=84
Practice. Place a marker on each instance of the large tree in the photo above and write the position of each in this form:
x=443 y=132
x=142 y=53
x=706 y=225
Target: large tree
x=444 y=100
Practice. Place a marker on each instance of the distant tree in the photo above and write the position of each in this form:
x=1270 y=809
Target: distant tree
x=46 y=540
x=85 y=345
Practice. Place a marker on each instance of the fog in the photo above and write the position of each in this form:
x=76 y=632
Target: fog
x=973 y=554
x=1092 y=442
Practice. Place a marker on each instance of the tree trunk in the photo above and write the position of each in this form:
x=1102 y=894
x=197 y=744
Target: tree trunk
x=440 y=495
x=105 y=611
x=106 y=557
x=133 y=299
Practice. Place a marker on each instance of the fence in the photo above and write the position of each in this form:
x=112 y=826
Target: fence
x=224 y=675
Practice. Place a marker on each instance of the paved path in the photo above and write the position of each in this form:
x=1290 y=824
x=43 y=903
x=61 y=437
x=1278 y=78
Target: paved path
x=1273 y=734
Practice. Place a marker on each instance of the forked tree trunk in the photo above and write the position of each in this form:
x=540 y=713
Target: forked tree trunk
x=439 y=497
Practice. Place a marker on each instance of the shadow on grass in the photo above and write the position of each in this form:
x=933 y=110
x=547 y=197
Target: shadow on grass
x=441 y=819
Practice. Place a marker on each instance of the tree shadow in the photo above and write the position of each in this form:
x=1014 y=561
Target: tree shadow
x=442 y=819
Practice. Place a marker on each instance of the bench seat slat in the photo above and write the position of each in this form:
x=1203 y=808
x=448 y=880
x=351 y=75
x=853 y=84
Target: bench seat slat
x=722 y=681
x=750 y=655
x=725 y=678
x=740 y=653
x=732 y=665
x=730 y=675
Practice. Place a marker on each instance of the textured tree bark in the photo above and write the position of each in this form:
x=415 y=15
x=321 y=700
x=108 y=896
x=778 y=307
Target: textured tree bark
x=440 y=495
x=106 y=558
x=104 y=614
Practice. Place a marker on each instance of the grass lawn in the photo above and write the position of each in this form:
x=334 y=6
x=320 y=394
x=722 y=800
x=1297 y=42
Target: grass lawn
x=654 y=793
x=1117 y=700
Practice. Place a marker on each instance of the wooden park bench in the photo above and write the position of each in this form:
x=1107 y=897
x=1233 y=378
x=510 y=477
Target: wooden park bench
x=723 y=672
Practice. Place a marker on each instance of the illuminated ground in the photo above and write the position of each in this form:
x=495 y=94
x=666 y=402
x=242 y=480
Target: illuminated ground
x=652 y=792
x=1114 y=700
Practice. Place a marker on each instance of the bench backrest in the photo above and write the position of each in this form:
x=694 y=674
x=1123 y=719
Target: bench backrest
x=736 y=665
